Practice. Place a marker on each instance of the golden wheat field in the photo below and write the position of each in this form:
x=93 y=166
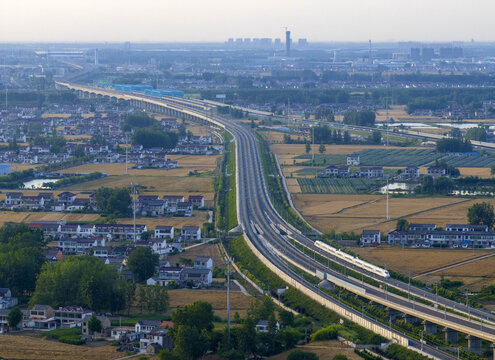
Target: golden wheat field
x=325 y=350
x=358 y=212
x=33 y=348
x=474 y=275
x=217 y=298
x=417 y=261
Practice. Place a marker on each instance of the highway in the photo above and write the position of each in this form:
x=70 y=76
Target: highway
x=258 y=218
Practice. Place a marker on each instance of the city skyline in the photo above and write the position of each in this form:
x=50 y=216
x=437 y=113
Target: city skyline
x=193 y=21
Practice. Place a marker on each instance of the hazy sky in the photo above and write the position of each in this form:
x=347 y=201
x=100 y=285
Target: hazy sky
x=217 y=20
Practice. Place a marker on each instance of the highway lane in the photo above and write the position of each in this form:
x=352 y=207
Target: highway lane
x=256 y=207
x=253 y=209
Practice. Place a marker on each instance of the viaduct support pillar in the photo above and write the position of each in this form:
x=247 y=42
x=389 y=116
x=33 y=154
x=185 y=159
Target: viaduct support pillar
x=451 y=336
x=474 y=344
x=409 y=319
x=430 y=328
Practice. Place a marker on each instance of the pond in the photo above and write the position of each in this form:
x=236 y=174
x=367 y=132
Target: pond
x=37 y=183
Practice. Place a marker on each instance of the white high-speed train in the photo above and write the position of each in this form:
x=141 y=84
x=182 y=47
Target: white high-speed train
x=353 y=260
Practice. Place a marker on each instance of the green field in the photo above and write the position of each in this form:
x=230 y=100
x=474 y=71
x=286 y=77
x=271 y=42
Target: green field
x=402 y=158
x=338 y=186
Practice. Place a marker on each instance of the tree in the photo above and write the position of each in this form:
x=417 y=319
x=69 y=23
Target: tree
x=198 y=315
x=402 y=225
x=492 y=170
x=14 y=317
x=347 y=137
x=322 y=149
x=286 y=318
x=361 y=118
x=308 y=147
x=94 y=324
x=82 y=280
x=153 y=137
x=481 y=214
x=340 y=357
x=190 y=342
x=146 y=235
x=142 y=263
x=129 y=294
x=375 y=137
x=79 y=151
x=302 y=355
x=477 y=133
x=21 y=257
x=115 y=201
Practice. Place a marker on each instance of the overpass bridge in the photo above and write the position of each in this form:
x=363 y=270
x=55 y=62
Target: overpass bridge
x=274 y=249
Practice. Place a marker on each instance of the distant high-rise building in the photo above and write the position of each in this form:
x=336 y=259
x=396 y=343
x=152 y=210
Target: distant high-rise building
x=427 y=54
x=457 y=52
x=302 y=43
x=287 y=42
x=277 y=44
x=416 y=53
x=446 y=52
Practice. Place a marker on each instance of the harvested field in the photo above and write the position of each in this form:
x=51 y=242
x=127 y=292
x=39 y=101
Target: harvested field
x=187 y=163
x=16 y=217
x=472 y=171
x=293 y=186
x=358 y=212
x=27 y=347
x=210 y=250
x=325 y=350
x=198 y=219
x=398 y=113
x=417 y=261
x=217 y=298
x=153 y=183
x=287 y=152
x=474 y=275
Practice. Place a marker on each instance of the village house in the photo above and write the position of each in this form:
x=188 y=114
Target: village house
x=106 y=326
x=7 y=301
x=191 y=233
x=436 y=171
x=371 y=172
x=197 y=201
x=353 y=160
x=370 y=237
x=164 y=232
x=71 y=314
x=411 y=172
x=155 y=341
x=337 y=171
x=146 y=326
x=203 y=262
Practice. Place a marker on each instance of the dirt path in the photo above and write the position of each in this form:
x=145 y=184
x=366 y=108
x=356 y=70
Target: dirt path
x=454 y=265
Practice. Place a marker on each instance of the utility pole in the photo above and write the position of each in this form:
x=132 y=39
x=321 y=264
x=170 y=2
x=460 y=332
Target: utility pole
x=313 y=147
x=134 y=208
x=388 y=217
x=228 y=299
x=126 y=155
x=288 y=111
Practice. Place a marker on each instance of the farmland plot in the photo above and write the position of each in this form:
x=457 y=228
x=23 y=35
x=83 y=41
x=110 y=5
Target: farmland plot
x=338 y=186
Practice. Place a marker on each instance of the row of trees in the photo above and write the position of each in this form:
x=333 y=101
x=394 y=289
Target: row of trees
x=155 y=137
x=454 y=145
x=325 y=135
x=360 y=118
x=193 y=333
x=82 y=280
x=21 y=258
x=115 y=201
